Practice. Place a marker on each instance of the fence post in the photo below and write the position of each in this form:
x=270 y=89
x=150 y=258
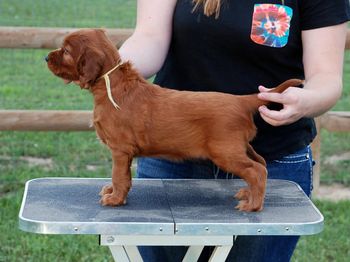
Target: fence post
x=316 y=154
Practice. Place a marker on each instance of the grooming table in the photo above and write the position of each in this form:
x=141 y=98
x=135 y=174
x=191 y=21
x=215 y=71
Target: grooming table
x=193 y=213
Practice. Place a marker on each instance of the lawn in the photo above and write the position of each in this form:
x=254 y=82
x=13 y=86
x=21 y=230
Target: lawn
x=25 y=83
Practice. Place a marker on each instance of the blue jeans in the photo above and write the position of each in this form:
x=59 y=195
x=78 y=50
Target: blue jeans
x=296 y=167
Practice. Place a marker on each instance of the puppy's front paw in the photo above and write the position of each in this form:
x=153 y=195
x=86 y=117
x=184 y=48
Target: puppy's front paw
x=244 y=205
x=248 y=201
x=243 y=194
x=112 y=200
x=107 y=189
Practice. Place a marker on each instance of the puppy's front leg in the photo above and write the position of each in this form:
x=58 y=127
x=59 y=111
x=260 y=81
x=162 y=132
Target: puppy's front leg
x=121 y=181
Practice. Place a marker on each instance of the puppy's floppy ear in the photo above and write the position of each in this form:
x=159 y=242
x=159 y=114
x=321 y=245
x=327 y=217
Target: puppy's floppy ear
x=89 y=66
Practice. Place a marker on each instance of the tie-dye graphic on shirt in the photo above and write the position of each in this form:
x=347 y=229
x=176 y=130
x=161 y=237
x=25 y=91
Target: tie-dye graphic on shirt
x=271 y=24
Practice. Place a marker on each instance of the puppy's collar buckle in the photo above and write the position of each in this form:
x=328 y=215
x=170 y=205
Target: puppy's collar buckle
x=108 y=85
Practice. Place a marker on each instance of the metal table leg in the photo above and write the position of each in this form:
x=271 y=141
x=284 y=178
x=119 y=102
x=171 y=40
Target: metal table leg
x=133 y=253
x=193 y=253
x=124 y=248
x=119 y=253
x=220 y=253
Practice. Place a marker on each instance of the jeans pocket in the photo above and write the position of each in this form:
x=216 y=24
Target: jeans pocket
x=294 y=158
x=297 y=167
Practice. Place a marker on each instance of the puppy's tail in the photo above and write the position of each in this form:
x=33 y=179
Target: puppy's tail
x=255 y=102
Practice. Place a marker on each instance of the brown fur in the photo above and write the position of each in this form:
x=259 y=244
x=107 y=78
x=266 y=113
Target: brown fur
x=160 y=122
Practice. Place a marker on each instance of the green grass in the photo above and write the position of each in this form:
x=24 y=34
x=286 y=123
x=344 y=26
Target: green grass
x=26 y=83
x=56 y=13
x=334 y=242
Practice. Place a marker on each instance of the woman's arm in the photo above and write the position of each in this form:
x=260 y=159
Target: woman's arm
x=148 y=46
x=323 y=51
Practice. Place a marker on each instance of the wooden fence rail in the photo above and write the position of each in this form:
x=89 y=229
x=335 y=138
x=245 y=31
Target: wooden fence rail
x=45 y=120
x=50 y=38
x=81 y=120
x=335 y=121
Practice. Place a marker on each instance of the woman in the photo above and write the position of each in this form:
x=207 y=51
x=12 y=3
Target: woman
x=239 y=47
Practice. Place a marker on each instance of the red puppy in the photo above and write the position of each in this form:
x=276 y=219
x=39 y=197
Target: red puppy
x=136 y=118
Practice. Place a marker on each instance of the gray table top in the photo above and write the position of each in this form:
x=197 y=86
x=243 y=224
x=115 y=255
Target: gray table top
x=165 y=207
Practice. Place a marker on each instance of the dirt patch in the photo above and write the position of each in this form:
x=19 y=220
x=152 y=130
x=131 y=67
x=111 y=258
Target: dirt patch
x=333 y=160
x=334 y=192
x=92 y=167
x=35 y=161
x=46 y=163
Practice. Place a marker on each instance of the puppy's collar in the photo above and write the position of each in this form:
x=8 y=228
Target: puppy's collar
x=108 y=85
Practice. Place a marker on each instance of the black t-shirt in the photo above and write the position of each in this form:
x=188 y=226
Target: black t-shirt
x=252 y=43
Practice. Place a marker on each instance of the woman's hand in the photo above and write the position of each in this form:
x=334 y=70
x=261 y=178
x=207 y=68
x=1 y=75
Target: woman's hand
x=294 y=101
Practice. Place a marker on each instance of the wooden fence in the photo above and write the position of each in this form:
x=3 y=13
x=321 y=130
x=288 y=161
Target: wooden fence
x=49 y=38
x=46 y=120
x=50 y=120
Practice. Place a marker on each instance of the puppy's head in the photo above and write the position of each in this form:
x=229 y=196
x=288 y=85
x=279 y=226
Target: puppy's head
x=83 y=57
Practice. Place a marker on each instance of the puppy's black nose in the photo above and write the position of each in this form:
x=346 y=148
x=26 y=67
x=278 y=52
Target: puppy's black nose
x=47 y=58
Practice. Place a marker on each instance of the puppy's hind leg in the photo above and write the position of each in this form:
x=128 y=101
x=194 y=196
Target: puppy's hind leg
x=244 y=192
x=262 y=173
x=236 y=161
x=255 y=156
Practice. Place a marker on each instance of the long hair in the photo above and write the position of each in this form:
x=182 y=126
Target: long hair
x=210 y=6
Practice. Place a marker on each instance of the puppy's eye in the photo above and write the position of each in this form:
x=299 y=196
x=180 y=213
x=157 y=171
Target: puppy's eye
x=65 y=51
